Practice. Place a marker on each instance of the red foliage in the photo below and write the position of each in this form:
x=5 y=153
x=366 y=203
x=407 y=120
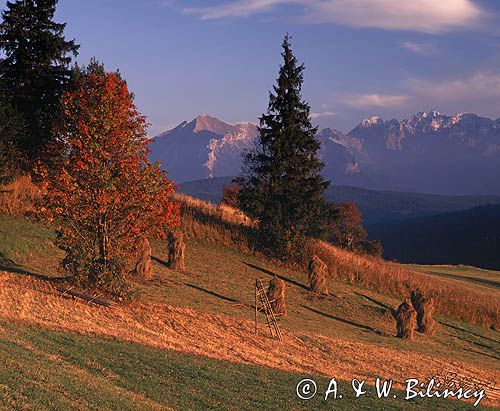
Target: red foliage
x=98 y=185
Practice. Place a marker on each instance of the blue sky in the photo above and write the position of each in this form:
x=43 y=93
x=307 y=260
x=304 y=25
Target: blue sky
x=363 y=57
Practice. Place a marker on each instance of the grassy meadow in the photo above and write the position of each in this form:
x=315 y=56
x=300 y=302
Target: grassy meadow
x=90 y=371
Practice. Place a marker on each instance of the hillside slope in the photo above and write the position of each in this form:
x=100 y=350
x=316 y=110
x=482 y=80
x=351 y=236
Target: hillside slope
x=469 y=237
x=217 y=336
x=376 y=206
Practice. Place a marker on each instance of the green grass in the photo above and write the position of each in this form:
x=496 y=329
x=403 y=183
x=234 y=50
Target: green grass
x=221 y=280
x=96 y=373
x=465 y=273
x=42 y=369
x=27 y=245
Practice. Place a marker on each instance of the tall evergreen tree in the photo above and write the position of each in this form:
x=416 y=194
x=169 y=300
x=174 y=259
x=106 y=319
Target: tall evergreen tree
x=283 y=189
x=36 y=68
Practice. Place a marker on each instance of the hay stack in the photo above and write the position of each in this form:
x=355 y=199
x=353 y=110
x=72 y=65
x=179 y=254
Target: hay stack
x=176 y=249
x=425 y=316
x=143 y=265
x=317 y=276
x=425 y=308
x=406 y=318
x=276 y=296
x=416 y=298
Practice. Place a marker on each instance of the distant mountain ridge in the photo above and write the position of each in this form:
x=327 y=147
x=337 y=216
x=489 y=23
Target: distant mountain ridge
x=428 y=152
x=204 y=148
x=207 y=147
x=376 y=206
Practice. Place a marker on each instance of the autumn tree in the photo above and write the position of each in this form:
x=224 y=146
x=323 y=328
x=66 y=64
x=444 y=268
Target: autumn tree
x=35 y=69
x=99 y=187
x=231 y=192
x=347 y=231
x=283 y=188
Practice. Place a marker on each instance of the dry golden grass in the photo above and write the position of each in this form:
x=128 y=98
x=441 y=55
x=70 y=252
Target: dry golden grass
x=452 y=298
x=219 y=224
x=19 y=197
x=218 y=336
x=227 y=226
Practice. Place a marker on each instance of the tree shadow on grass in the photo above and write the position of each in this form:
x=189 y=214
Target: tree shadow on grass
x=268 y=272
x=212 y=293
x=159 y=261
x=454 y=327
x=10 y=266
x=379 y=303
x=21 y=271
x=343 y=320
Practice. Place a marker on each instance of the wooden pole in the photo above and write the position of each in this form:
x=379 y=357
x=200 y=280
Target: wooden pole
x=256 y=309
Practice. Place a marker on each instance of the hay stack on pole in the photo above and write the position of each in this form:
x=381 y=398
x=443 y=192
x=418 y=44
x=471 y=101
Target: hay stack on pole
x=416 y=297
x=276 y=296
x=317 y=276
x=176 y=249
x=406 y=318
x=143 y=265
x=425 y=308
x=425 y=316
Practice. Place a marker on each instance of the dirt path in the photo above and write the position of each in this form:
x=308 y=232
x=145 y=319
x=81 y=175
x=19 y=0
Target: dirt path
x=218 y=336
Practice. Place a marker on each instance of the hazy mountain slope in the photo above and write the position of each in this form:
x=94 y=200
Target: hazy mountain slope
x=430 y=152
x=208 y=147
x=376 y=206
x=202 y=148
x=469 y=237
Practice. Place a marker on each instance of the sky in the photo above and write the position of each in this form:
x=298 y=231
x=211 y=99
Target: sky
x=390 y=58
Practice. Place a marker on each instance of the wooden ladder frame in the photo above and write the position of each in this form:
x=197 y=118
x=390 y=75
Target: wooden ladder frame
x=262 y=303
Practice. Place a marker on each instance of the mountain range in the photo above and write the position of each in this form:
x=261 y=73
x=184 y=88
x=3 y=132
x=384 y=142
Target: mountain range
x=428 y=152
x=376 y=206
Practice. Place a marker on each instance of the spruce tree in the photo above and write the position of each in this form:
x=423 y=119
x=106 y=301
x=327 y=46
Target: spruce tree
x=36 y=68
x=283 y=188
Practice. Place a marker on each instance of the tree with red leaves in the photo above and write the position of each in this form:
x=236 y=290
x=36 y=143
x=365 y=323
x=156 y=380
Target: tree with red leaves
x=99 y=187
x=347 y=231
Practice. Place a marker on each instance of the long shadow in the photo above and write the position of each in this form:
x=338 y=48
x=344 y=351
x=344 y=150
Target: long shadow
x=21 y=271
x=343 y=320
x=488 y=347
x=213 y=293
x=164 y=263
x=482 y=353
x=268 y=272
x=379 y=303
x=483 y=281
x=454 y=327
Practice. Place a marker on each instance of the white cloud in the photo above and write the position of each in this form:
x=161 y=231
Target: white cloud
x=315 y=115
x=419 y=48
x=429 y=16
x=478 y=86
x=367 y=101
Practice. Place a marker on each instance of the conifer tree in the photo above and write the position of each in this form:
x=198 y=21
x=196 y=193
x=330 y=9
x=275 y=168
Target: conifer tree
x=283 y=189
x=36 y=68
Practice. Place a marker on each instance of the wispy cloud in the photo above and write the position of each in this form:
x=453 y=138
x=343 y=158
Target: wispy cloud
x=316 y=115
x=479 y=85
x=429 y=16
x=368 y=101
x=419 y=48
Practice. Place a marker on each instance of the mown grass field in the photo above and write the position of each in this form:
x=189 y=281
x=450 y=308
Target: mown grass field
x=465 y=273
x=218 y=279
x=49 y=370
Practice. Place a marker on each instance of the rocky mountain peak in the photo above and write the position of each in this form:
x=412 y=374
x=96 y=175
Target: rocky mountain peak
x=372 y=121
x=204 y=122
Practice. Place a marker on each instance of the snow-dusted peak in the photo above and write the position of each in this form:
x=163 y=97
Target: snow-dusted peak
x=372 y=121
